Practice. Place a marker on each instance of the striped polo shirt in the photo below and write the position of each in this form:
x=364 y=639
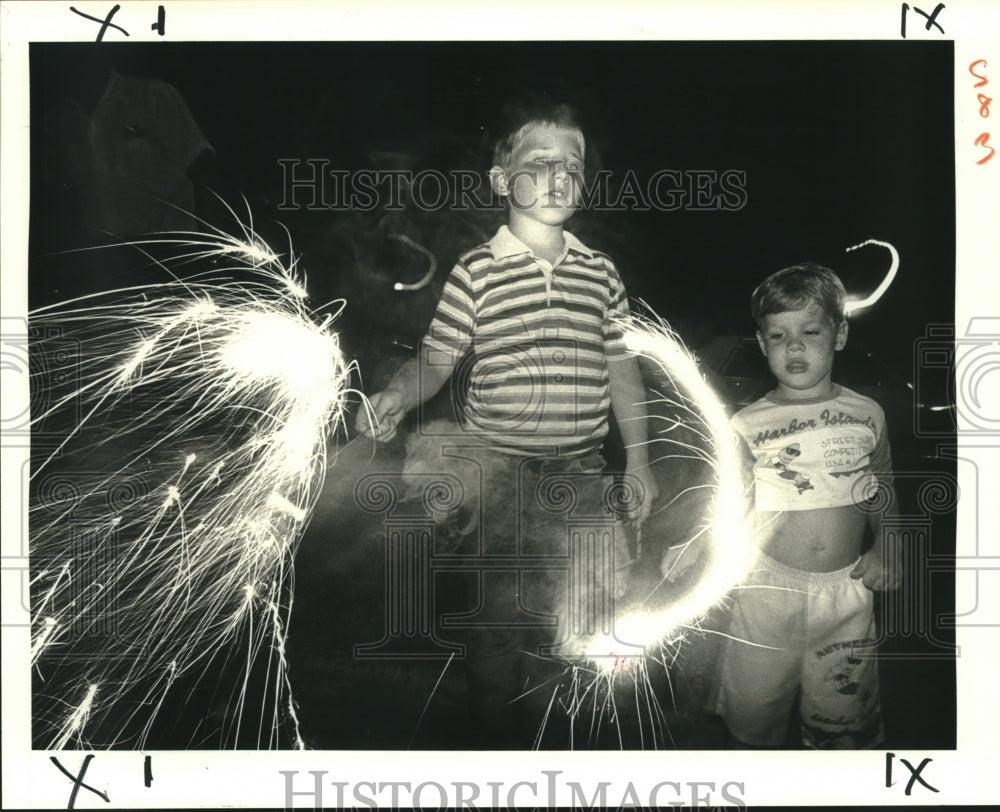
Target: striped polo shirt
x=530 y=344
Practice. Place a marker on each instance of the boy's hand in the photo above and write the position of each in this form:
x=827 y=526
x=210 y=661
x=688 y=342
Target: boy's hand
x=877 y=574
x=638 y=510
x=381 y=416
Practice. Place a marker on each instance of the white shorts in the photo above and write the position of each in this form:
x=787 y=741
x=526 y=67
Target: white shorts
x=813 y=631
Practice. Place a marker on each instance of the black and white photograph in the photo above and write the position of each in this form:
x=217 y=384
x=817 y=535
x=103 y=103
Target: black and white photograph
x=531 y=395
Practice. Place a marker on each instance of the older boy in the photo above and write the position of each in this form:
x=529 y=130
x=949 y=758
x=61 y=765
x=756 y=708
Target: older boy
x=819 y=453
x=526 y=324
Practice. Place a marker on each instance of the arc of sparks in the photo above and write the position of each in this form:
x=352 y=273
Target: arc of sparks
x=216 y=395
x=725 y=535
x=603 y=669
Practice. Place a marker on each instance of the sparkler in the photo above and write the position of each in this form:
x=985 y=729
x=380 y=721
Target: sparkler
x=723 y=545
x=171 y=485
x=431 y=263
x=724 y=538
x=868 y=301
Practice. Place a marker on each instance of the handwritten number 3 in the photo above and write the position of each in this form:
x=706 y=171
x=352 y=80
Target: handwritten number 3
x=983 y=141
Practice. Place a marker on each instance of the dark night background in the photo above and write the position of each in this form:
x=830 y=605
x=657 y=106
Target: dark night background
x=840 y=141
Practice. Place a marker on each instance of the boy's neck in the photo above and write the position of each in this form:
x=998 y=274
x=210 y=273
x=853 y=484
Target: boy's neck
x=545 y=241
x=823 y=389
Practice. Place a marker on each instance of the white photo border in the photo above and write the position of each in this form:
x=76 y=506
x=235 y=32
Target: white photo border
x=243 y=779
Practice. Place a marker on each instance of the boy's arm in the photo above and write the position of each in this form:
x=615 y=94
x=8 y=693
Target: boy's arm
x=881 y=567
x=409 y=387
x=418 y=380
x=628 y=397
x=628 y=400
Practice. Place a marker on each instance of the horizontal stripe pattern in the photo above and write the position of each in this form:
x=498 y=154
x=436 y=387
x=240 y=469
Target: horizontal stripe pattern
x=532 y=357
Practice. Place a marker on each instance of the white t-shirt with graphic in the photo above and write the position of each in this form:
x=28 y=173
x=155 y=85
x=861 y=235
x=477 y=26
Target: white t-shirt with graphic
x=821 y=452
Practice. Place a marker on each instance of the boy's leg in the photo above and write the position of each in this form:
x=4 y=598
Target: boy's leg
x=494 y=671
x=507 y=672
x=494 y=668
x=516 y=626
x=578 y=523
x=761 y=664
x=840 y=694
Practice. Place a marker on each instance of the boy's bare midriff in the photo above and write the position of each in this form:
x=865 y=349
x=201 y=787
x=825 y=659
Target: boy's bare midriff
x=819 y=540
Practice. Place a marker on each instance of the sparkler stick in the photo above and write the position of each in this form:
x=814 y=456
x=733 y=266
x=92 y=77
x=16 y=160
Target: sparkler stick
x=165 y=513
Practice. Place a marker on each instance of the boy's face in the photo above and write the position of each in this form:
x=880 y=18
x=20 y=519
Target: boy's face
x=799 y=346
x=542 y=179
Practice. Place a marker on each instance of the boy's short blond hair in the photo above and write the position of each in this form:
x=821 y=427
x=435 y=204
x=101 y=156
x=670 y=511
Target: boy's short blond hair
x=797 y=287
x=519 y=118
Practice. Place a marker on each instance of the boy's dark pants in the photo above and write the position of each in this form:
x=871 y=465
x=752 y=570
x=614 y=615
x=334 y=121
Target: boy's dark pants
x=533 y=514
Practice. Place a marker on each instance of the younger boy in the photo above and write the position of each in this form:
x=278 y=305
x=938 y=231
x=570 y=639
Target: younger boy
x=525 y=328
x=804 y=623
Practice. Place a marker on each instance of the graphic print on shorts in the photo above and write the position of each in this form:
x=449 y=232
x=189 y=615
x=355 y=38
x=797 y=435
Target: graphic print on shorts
x=841 y=677
x=846 y=712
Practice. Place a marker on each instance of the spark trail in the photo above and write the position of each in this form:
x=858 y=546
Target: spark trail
x=868 y=301
x=179 y=444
